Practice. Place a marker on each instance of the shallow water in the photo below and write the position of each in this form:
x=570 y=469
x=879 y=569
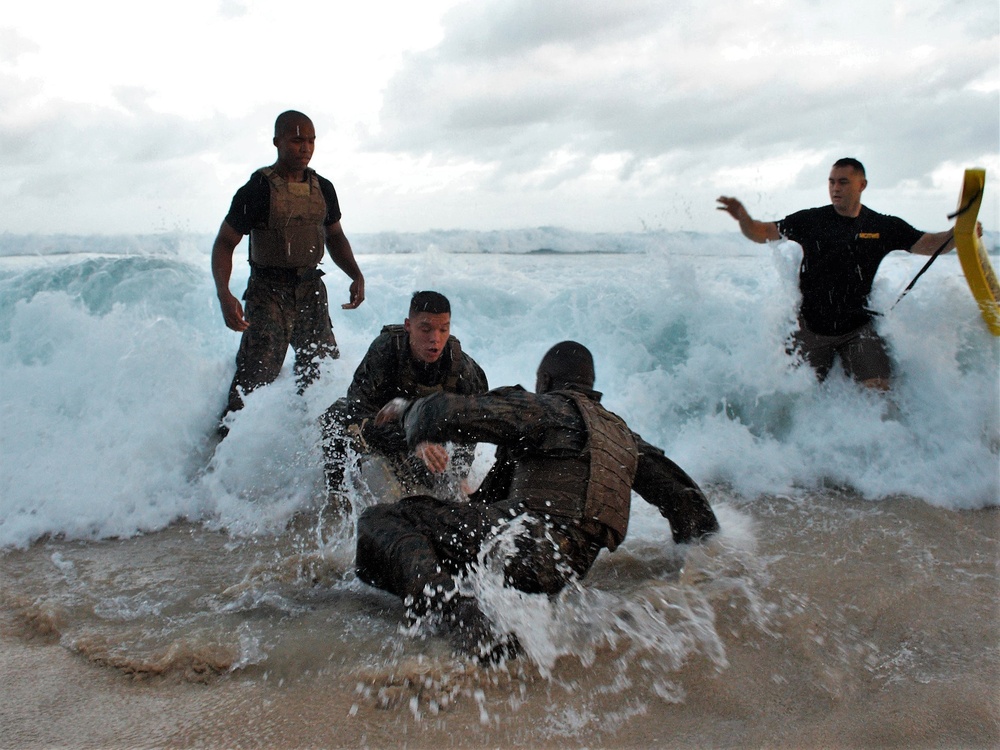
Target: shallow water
x=812 y=621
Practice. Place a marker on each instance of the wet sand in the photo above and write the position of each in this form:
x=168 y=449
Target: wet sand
x=849 y=624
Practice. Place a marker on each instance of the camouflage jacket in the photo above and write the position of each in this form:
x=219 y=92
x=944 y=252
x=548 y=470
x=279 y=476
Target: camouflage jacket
x=533 y=427
x=389 y=371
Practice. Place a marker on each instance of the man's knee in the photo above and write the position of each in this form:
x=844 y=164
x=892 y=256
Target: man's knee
x=308 y=362
x=257 y=366
x=393 y=554
x=378 y=530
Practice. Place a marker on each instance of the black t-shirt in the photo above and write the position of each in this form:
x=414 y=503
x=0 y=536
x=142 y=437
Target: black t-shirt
x=251 y=205
x=840 y=256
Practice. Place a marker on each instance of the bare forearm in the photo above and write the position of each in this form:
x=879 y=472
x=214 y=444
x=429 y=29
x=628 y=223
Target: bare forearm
x=343 y=254
x=758 y=231
x=222 y=268
x=222 y=257
x=931 y=242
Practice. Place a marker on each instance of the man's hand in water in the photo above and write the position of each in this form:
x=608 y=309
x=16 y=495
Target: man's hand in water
x=434 y=456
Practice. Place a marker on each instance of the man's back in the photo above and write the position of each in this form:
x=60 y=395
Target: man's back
x=544 y=459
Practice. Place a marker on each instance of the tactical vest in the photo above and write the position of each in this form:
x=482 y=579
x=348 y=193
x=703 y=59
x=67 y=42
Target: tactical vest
x=595 y=485
x=407 y=382
x=295 y=236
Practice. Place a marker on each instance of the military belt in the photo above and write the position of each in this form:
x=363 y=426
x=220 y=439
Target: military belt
x=274 y=274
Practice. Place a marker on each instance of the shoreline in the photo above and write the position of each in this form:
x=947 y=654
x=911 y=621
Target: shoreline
x=876 y=627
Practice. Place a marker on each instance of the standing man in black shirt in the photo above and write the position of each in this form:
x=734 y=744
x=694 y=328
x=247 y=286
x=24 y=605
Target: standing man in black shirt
x=842 y=247
x=290 y=213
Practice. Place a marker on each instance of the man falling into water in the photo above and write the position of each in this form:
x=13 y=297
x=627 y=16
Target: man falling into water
x=842 y=247
x=560 y=488
x=408 y=361
x=290 y=213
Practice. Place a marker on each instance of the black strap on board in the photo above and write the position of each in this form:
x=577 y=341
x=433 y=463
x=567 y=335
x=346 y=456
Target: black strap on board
x=937 y=252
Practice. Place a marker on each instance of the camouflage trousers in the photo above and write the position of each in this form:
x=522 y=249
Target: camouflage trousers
x=283 y=310
x=415 y=548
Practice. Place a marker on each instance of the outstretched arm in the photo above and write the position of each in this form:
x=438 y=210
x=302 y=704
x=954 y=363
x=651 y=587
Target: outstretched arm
x=758 y=231
x=929 y=243
x=505 y=416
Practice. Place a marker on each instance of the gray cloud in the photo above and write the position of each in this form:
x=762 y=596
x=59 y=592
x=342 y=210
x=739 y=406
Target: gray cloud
x=526 y=111
x=498 y=30
x=513 y=82
x=126 y=168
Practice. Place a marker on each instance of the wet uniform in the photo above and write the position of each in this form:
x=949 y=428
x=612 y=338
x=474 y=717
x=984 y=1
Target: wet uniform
x=840 y=256
x=390 y=371
x=564 y=472
x=285 y=300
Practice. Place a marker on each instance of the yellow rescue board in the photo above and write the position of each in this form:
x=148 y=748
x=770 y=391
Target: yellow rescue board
x=975 y=262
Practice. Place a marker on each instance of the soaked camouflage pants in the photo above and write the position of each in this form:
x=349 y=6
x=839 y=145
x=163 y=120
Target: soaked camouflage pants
x=415 y=547
x=282 y=312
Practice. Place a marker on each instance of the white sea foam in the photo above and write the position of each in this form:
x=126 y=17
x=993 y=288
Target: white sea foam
x=115 y=364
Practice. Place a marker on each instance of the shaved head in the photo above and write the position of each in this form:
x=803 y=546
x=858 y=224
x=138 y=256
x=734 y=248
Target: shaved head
x=566 y=363
x=287 y=122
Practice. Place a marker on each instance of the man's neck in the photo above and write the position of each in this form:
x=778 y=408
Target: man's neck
x=290 y=176
x=851 y=213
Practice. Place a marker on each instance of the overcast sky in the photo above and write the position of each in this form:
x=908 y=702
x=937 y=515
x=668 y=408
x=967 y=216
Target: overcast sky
x=594 y=115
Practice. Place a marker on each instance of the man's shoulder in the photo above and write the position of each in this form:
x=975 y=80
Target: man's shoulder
x=810 y=214
x=391 y=331
x=390 y=340
x=890 y=231
x=872 y=215
x=467 y=368
x=377 y=372
x=323 y=181
x=325 y=186
x=570 y=398
x=250 y=203
x=256 y=182
x=464 y=357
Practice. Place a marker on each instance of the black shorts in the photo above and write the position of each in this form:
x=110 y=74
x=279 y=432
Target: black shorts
x=862 y=351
